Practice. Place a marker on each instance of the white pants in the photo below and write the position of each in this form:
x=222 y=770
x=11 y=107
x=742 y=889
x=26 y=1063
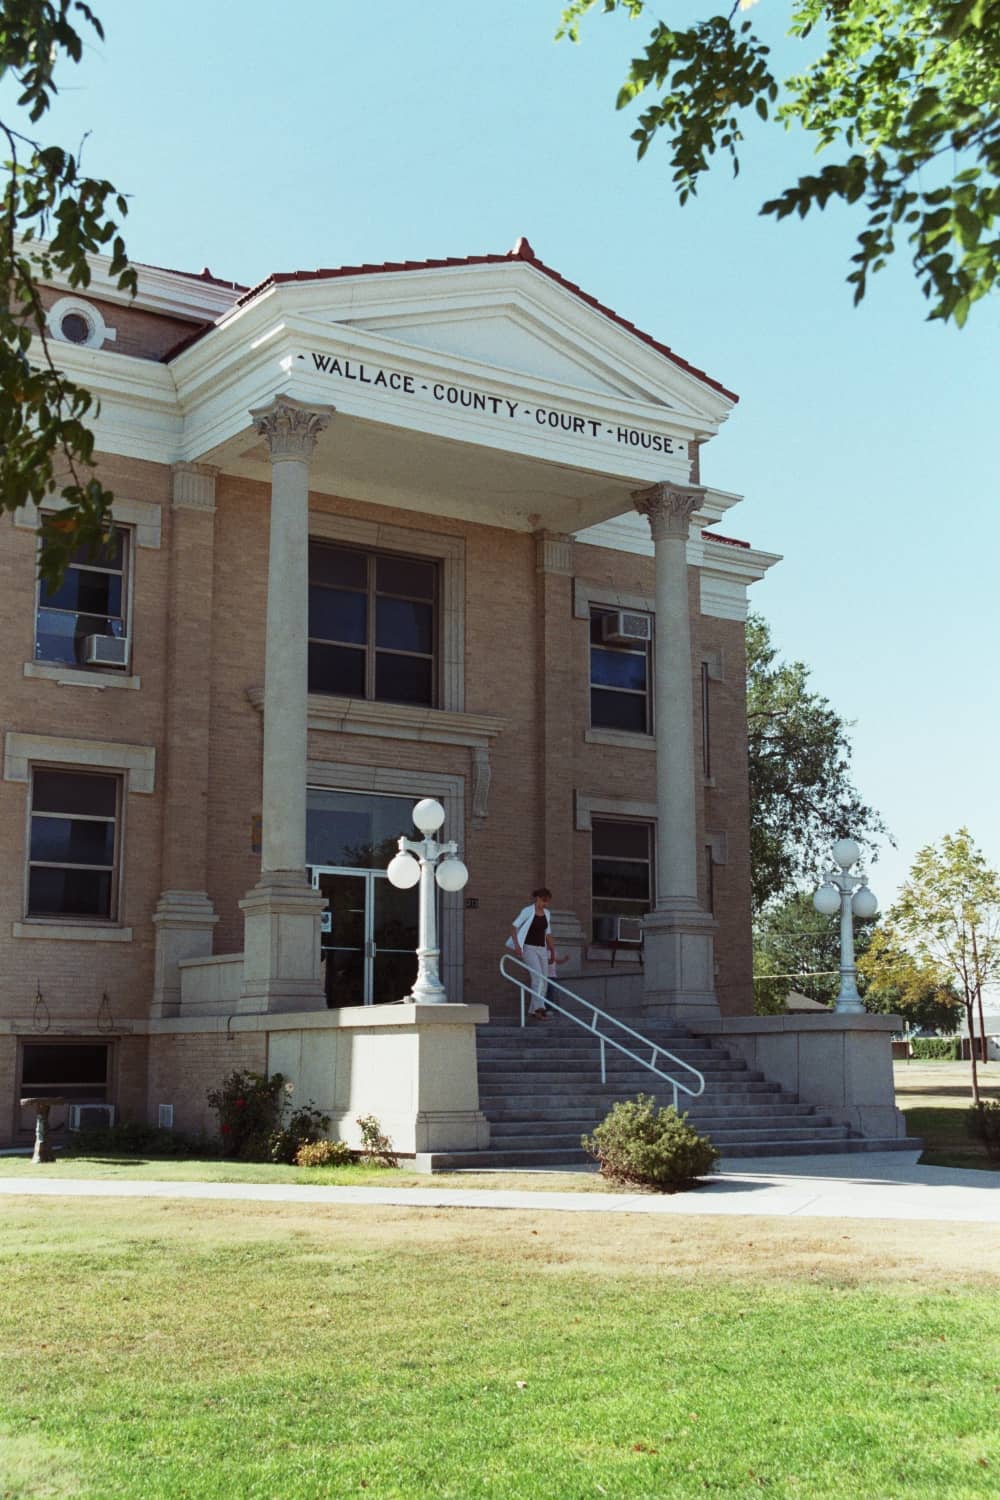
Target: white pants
x=537 y=960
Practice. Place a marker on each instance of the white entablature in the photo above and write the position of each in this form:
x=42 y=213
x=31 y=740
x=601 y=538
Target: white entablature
x=427 y=366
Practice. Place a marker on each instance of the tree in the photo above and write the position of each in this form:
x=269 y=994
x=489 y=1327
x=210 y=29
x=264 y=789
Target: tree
x=895 y=983
x=906 y=91
x=801 y=794
x=53 y=218
x=947 y=915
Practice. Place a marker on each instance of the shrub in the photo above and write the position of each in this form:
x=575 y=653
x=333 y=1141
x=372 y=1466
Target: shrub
x=983 y=1124
x=304 y=1127
x=324 y=1154
x=637 y=1143
x=376 y=1147
x=249 y=1107
x=251 y=1110
x=935 y=1048
x=130 y=1138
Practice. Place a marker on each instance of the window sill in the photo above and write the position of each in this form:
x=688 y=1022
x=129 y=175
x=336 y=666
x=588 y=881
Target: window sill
x=79 y=676
x=622 y=739
x=438 y=726
x=603 y=953
x=72 y=932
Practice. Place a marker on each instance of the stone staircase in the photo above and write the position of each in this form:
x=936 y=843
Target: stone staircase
x=540 y=1088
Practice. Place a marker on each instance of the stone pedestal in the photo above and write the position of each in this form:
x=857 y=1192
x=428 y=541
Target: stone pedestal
x=679 y=966
x=281 y=962
x=841 y=1063
x=184 y=923
x=412 y=1066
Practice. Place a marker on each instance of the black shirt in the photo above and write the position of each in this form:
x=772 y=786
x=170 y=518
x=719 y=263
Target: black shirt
x=535 y=935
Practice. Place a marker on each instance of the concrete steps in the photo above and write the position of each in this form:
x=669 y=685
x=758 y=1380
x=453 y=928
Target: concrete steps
x=540 y=1088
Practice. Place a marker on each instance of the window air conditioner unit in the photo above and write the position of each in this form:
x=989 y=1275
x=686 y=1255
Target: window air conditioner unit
x=624 y=628
x=91 y=1116
x=618 y=929
x=105 y=650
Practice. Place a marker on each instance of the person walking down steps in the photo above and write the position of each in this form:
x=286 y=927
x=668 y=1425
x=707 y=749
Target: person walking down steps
x=531 y=941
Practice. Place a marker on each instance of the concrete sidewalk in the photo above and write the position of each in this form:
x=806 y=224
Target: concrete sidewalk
x=886 y=1185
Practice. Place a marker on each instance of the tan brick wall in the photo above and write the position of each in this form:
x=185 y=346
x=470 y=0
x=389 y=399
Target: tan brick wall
x=182 y=1068
x=74 y=976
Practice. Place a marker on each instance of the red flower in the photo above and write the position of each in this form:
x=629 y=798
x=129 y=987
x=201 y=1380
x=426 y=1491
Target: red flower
x=240 y=1103
x=225 y=1130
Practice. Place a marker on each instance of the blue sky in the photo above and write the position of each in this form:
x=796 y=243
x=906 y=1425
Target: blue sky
x=254 y=138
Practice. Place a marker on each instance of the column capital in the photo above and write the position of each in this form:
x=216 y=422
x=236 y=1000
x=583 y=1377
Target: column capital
x=290 y=427
x=668 y=507
x=193 y=486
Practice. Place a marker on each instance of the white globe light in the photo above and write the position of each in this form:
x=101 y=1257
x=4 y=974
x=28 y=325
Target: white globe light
x=403 y=871
x=864 y=903
x=451 y=874
x=827 y=900
x=846 y=852
x=428 y=815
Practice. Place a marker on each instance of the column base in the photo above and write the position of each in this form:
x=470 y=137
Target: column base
x=281 y=967
x=569 y=938
x=183 y=921
x=679 y=966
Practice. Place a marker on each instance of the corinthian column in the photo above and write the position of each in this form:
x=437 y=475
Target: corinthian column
x=679 y=961
x=281 y=961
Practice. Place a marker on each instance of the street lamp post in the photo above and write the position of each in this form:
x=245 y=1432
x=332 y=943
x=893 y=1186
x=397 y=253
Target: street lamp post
x=849 y=895
x=425 y=860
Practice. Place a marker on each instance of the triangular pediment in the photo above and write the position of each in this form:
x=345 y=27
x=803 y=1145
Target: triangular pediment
x=516 y=317
x=507 y=338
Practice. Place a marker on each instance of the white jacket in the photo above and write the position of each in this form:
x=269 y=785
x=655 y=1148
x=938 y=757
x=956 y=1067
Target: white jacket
x=523 y=921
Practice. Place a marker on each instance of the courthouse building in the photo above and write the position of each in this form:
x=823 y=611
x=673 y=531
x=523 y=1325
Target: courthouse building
x=381 y=532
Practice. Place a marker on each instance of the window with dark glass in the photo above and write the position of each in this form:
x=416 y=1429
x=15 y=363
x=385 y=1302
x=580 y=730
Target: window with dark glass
x=372 y=625
x=621 y=878
x=619 y=680
x=706 y=722
x=75 y=1071
x=91 y=600
x=73 y=845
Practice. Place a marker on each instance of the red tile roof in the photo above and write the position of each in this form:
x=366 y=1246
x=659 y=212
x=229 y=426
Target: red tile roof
x=730 y=541
x=522 y=251
x=205 y=275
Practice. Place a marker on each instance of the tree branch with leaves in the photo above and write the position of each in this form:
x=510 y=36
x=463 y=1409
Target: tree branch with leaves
x=907 y=92
x=53 y=218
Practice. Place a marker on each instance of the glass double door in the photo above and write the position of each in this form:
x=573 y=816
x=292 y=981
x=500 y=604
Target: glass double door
x=369 y=936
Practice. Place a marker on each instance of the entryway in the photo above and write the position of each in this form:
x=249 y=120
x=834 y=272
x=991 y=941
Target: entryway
x=369 y=936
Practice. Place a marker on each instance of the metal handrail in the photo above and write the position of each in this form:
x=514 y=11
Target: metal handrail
x=591 y=1026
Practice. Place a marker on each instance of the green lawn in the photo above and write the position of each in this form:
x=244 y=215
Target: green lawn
x=211 y=1169
x=155 y=1351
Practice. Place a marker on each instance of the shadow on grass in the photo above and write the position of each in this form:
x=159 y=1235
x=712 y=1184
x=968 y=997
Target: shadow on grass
x=947 y=1142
